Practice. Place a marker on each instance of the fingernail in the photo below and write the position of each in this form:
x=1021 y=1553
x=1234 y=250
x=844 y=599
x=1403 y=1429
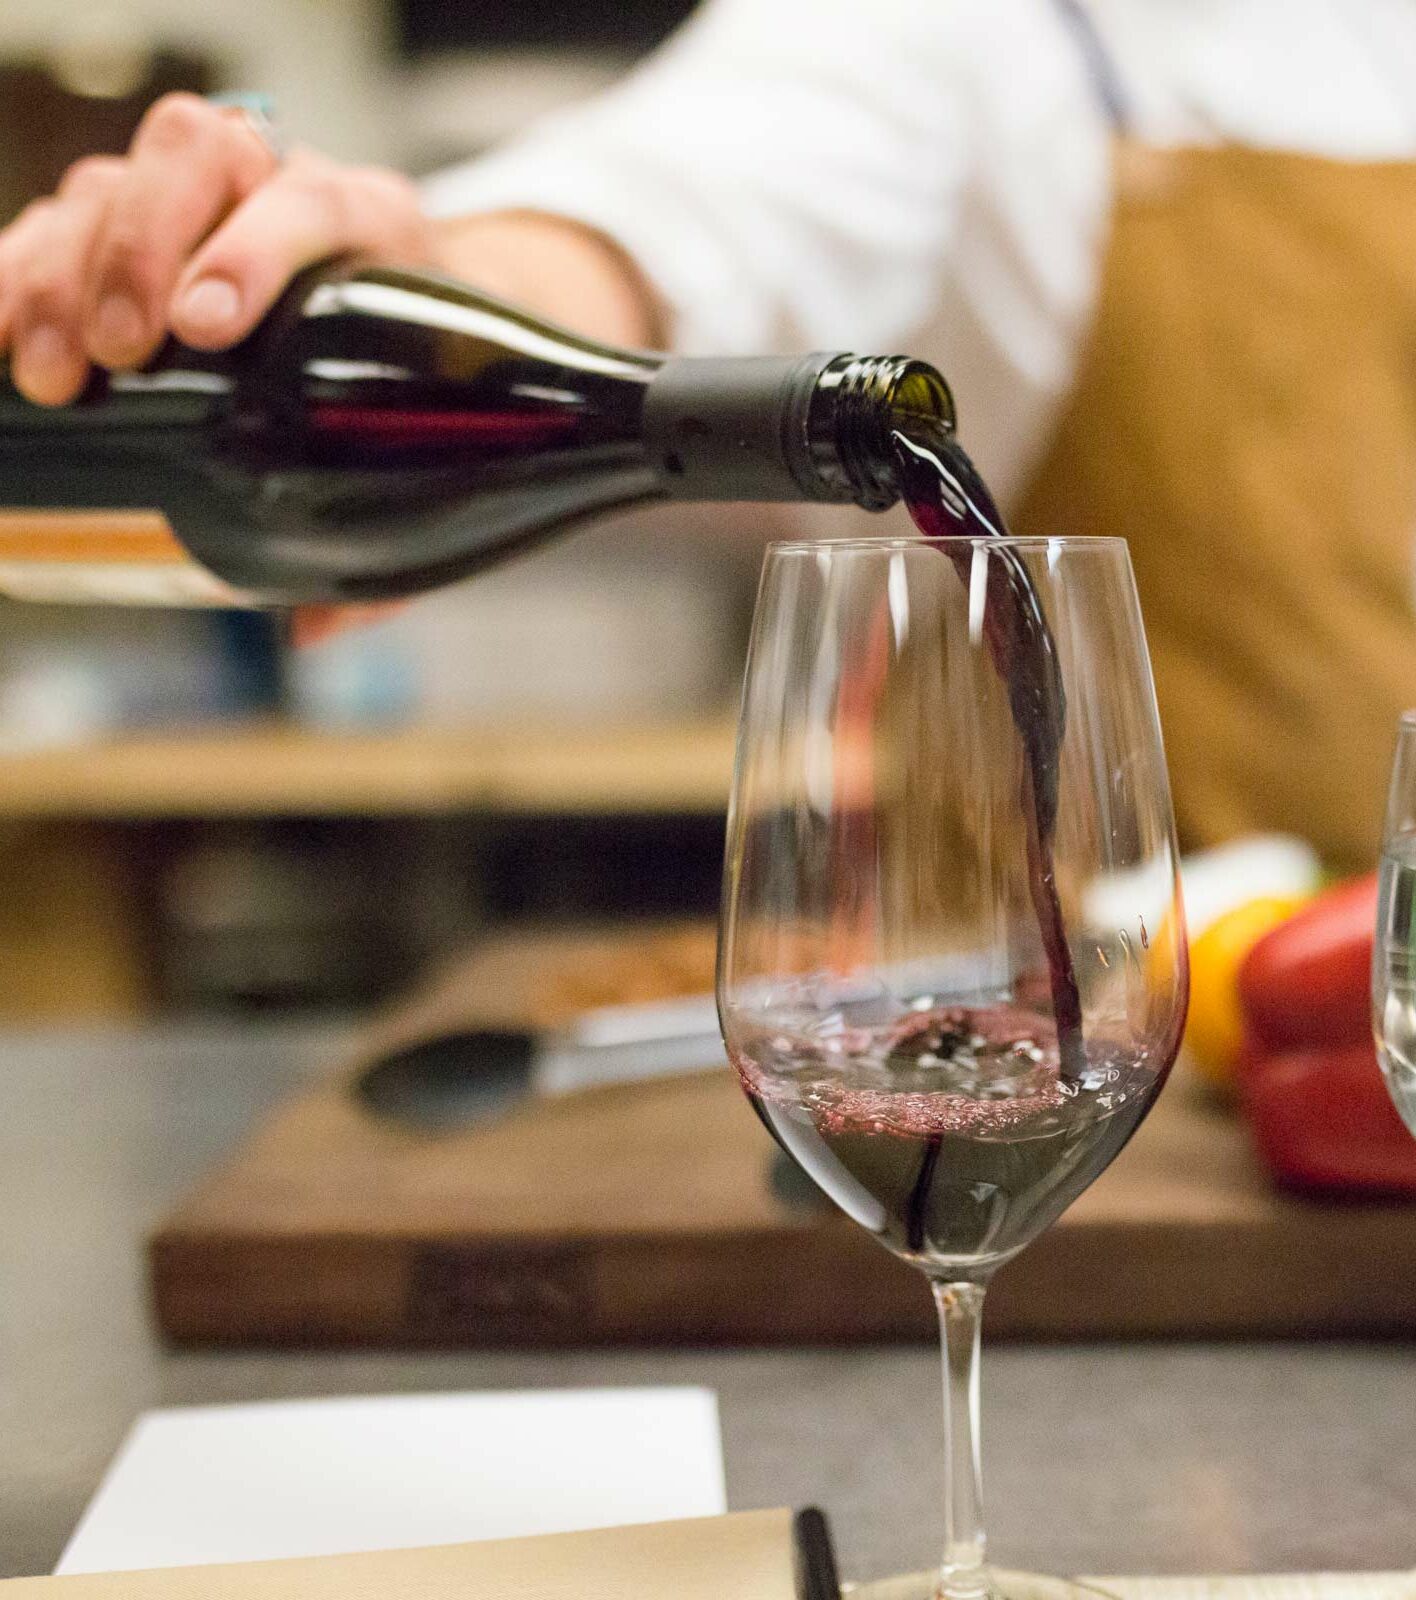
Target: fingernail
x=211 y=303
x=118 y=324
x=45 y=358
x=44 y=346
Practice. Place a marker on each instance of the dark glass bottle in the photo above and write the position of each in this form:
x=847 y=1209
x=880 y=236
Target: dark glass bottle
x=385 y=432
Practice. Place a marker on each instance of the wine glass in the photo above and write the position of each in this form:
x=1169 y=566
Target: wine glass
x=1394 y=953
x=953 y=972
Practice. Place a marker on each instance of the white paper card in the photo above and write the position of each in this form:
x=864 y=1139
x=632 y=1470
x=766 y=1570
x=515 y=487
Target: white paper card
x=324 y=1477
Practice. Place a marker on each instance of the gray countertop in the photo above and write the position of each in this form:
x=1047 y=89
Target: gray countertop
x=1159 y=1458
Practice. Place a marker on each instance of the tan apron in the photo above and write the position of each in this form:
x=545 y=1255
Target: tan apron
x=1245 y=415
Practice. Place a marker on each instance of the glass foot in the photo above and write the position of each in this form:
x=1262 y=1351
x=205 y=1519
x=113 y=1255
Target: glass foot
x=1003 y=1585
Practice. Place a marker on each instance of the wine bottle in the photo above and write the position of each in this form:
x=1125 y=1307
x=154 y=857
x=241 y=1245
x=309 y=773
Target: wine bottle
x=384 y=432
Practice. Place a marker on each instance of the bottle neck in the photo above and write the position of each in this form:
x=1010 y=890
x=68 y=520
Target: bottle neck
x=814 y=427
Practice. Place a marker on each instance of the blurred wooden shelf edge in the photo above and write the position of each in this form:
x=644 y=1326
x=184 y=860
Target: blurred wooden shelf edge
x=74 y=896
x=274 y=770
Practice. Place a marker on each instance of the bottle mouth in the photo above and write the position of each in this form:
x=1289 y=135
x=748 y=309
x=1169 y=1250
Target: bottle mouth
x=917 y=390
x=856 y=404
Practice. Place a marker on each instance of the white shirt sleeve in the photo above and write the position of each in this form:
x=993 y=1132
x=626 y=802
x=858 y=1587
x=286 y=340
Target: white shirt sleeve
x=932 y=175
x=786 y=172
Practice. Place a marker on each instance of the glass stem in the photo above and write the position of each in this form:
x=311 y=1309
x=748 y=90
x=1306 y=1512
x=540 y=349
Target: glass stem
x=963 y=1574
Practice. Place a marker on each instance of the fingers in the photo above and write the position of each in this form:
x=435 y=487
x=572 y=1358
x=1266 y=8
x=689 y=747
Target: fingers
x=196 y=230
x=87 y=274
x=190 y=163
x=310 y=210
x=43 y=260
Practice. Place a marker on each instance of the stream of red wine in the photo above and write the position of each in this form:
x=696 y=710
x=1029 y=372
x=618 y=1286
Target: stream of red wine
x=946 y=497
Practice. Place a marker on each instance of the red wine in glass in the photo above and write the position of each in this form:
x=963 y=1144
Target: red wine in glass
x=953 y=1137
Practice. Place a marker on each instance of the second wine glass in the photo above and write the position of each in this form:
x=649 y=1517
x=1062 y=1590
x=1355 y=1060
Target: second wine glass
x=1394 y=952
x=953 y=971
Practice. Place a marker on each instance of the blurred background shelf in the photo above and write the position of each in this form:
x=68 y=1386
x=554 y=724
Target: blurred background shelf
x=275 y=770
x=268 y=867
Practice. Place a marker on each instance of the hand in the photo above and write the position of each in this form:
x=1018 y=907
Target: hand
x=195 y=232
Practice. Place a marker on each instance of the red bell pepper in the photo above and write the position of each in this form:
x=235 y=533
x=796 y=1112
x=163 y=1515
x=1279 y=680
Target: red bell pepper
x=1308 y=981
x=1309 y=1080
x=1322 y=1121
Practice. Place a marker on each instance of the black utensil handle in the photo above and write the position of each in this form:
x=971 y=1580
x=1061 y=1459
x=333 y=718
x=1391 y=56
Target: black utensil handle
x=816 y=1576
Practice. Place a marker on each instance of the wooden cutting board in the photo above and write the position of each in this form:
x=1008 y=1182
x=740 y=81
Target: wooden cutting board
x=645 y=1214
